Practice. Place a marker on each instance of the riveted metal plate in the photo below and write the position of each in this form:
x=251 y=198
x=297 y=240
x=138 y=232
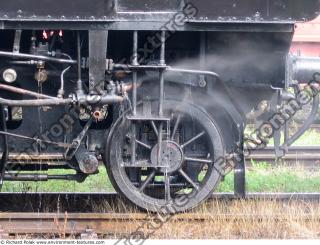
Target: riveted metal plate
x=57 y=9
x=146 y=10
x=256 y=10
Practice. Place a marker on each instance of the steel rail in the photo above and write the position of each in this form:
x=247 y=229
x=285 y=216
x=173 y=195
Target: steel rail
x=308 y=156
x=86 y=225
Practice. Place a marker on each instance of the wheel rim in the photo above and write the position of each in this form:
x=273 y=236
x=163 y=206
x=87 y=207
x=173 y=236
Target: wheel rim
x=183 y=169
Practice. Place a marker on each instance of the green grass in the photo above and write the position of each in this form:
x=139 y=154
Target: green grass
x=310 y=138
x=263 y=177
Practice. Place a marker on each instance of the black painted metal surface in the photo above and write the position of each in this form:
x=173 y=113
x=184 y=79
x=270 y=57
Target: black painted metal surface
x=149 y=13
x=257 y=10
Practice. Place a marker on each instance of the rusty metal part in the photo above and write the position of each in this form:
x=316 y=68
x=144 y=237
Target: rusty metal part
x=32 y=157
x=24 y=92
x=88 y=163
x=52 y=223
x=116 y=223
x=97 y=115
x=41 y=75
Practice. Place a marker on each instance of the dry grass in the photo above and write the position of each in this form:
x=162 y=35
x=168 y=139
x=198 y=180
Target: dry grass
x=244 y=220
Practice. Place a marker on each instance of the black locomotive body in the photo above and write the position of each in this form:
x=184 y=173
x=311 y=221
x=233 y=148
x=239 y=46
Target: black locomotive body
x=159 y=89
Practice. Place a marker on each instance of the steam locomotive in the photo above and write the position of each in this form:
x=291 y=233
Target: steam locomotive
x=157 y=90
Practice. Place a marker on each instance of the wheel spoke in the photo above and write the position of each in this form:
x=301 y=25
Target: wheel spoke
x=167 y=187
x=200 y=160
x=176 y=125
x=147 y=181
x=189 y=179
x=141 y=143
x=154 y=127
x=193 y=139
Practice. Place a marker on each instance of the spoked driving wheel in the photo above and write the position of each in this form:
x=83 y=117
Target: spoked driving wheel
x=174 y=159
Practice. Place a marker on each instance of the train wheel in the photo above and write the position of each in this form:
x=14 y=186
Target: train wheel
x=181 y=175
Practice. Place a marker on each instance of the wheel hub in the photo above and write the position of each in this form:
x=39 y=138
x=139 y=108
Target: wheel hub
x=170 y=157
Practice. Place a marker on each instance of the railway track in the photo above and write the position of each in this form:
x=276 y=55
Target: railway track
x=95 y=225
x=304 y=155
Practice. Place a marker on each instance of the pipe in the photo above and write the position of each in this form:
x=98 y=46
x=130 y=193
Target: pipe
x=30 y=103
x=196 y=72
x=38 y=177
x=5 y=150
x=24 y=92
x=36 y=57
x=79 y=82
x=86 y=100
x=128 y=68
x=134 y=95
x=162 y=48
x=98 y=99
x=61 y=90
x=161 y=72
